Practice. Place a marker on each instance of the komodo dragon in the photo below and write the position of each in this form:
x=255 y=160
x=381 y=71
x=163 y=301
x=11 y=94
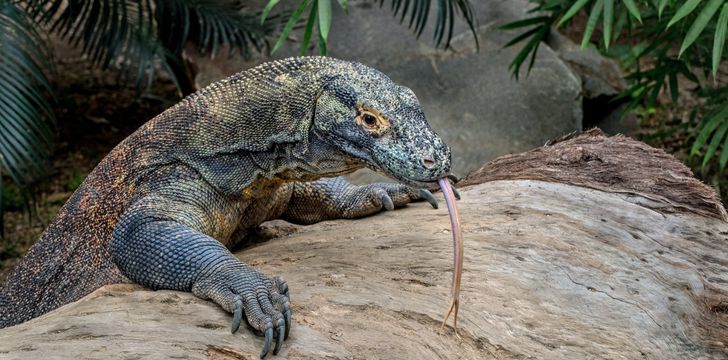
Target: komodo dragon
x=165 y=205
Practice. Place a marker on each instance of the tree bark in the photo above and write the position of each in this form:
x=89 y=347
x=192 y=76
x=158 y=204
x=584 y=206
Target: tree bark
x=589 y=247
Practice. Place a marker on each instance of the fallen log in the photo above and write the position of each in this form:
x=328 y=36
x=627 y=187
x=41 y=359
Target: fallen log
x=589 y=247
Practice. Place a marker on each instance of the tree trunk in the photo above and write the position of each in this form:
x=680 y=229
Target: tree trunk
x=590 y=247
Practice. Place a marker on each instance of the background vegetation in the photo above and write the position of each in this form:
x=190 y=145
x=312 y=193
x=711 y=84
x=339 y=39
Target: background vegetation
x=663 y=46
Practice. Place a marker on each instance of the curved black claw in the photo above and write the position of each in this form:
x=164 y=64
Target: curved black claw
x=279 y=339
x=287 y=315
x=237 y=315
x=455 y=192
x=267 y=341
x=427 y=196
x=453 y=179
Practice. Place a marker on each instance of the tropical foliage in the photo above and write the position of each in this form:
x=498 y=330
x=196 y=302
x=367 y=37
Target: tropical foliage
x=661 y=43
x=131 y=36
x=412 y=12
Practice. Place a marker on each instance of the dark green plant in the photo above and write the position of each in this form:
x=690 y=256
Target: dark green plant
x=74 y=182
x=130 y=36
x=319 y=17
x=679 y=40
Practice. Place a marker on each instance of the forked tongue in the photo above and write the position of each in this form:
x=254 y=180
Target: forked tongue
x=457 y=239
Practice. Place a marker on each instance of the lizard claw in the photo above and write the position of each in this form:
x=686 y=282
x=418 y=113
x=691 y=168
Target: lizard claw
x=387 y=201
x=237 y=314
x=280 y=336
x=287 y=315
x=267 y=341
x=455 y=192
x=427 y=196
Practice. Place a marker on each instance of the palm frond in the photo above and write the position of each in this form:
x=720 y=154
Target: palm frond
x=26 y=117
x=209 y=24
x=419 y=10
x=135 y=35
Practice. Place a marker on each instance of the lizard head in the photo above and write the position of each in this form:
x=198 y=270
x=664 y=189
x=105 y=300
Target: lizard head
x=377 y=122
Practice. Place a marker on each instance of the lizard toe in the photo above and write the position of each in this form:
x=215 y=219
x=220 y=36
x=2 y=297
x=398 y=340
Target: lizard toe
x=281 y=333
x=237 y=314
x=386 y=200
x=259 y=320
x=282 y=286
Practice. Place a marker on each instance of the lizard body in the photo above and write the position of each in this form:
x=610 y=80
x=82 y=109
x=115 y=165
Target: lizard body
x=165 y=205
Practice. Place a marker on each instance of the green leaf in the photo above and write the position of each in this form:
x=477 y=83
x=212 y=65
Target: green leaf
x=699 y=24
x=591 y=24
x=723 y=155
x=344 y=5
x=709 y=123
x=522 y=37
x=530 y=48
x=266 y=10
x=673 y=87
x=309 y=28
x=525 y=22
x=719 y=39
x=324 y=18
x=578 y=5
x=632 y=8
x=717 y=138
x=608 y=21
x=619 y=25
x=661 y=7
x=289 y=25
x=322 y=45
x=683 y=11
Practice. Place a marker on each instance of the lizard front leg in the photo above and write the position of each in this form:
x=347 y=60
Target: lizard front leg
x=336 y=198
x=157 y=244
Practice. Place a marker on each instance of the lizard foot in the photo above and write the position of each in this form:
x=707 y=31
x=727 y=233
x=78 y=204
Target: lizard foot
x=241 y=290
x=367 y=199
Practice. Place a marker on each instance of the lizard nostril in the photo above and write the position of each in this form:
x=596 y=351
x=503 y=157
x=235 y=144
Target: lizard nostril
x=428 y=162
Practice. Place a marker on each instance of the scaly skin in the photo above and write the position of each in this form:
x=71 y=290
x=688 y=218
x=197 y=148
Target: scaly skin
x=165 y=205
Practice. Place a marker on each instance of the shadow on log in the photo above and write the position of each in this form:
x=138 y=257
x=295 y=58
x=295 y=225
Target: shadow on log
x=590 y=247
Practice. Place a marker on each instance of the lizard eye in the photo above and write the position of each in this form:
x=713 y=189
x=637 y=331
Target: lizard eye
x=372 y=121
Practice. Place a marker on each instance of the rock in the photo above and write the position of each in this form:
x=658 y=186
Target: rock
x=601 y=80
x=600 y=76
x=552 y=271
